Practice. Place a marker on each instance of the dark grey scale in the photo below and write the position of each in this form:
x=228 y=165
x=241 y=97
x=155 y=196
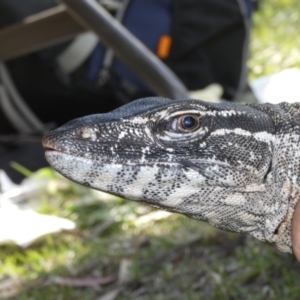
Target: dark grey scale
x=117 y=188
x=244 y=147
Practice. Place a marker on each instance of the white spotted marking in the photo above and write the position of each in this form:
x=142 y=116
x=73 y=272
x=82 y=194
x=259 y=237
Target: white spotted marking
x=236 y=199
x=121 y=135
x=262 y=136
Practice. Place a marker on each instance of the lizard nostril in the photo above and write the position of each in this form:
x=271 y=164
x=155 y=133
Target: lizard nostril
x=87 y=133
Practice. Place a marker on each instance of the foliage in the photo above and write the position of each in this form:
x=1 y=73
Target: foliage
x=275 y=39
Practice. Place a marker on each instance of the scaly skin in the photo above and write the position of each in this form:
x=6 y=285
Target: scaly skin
x=236 y=167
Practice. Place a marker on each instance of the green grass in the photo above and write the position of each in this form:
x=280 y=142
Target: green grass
x=276 y=37
x=172 y=258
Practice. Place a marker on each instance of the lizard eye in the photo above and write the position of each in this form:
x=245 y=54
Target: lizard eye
x=185 y=123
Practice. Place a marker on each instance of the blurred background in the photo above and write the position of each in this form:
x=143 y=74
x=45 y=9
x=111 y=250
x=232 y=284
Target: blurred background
x=60 y=240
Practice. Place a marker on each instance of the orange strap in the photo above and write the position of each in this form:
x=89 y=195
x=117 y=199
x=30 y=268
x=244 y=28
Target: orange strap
x=164 y=46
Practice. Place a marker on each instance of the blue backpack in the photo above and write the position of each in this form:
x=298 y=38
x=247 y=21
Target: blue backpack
x=202 y=41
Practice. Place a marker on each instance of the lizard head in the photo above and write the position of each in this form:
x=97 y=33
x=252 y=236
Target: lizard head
x=206 y=160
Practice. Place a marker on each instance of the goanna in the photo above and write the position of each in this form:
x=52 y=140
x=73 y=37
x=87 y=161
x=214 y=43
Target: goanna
x=234 y=166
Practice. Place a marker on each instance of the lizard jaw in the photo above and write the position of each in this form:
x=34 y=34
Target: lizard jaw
x=49 y=146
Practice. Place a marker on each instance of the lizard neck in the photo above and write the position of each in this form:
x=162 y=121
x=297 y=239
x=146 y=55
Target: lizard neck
x=284 y=179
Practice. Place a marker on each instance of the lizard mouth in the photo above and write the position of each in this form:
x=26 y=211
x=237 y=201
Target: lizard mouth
x=50 y=147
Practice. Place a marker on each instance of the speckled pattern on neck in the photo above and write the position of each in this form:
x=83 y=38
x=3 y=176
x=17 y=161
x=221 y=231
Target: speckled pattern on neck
x=237 y=167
